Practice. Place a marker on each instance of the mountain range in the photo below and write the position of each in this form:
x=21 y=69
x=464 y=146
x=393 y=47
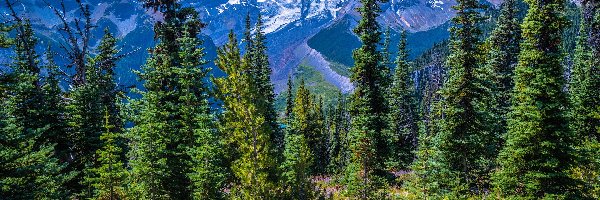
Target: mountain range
x=314 y=34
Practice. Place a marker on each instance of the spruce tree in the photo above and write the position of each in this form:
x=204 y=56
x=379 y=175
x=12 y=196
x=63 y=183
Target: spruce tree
x=308 y=121
x=585 y=99
x=249 y=133
x=467 y=138
x=261 y=72
x=296 y=167
x=318 y=141
x=366 y=141
x=208 y=174
x=171 y=118
x=338 y=125
x=55 y=109
x=403 y=115
x=108 y=179
x=538 y=150
x=105 y=64
x=85 y=111
x=28 y=167
x=502 y=58
x=289 y=101
x=386 y=60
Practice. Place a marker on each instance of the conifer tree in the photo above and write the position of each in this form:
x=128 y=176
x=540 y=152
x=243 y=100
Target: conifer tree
x=386 y=60
x=28 y=167
x=261 y=69
x=424 y=184
x=367 y=107
x=109 y=177
x=289 y=101
x=538 y=150
x=296 y=167
x=248 y=131
x=585 y=99
x=403 y=115
x=208 y=174
x=467 y=138
x=502 y=59
x=308 y=121
x=172 y=115
x=104 y=73
x=338 y=125
x=55 y=109
x=85 y=111
x=318 y=141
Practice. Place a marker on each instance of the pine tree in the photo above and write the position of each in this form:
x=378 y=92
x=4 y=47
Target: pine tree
x=338 y=128
x=248 y=131
x=424 y=184
x=308 y=121
x=467 y=138
x=208 y=174
x=296 y=167
x=367 y=107
x=55 y=109
x=289 y=101
x=585 y=99
x=386 y=60
x=403 y=115
x=109 y=177
x=261 y=72
x=538 y=150
x=171 y=117
x=502 y=58
x=28 y=167
x=88 y=102
x=105 y=65
x=318 y=140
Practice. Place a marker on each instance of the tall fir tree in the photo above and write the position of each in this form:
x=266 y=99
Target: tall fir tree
x=403 y=115
x=308 y=121
x=85 y=111
x=386 y=60
x=538 y=150
x=105 y=65
x=585 y=100
x=366 y=141
x=56 y=108
x=261 y=69
x=108 y=179
x=467 y=138
x=289 y=101
x=208 y=174
x=171 y=119
x=249 y=133
x=502 y=57
x=296 y=167
x=338 y=125
x=28 y=166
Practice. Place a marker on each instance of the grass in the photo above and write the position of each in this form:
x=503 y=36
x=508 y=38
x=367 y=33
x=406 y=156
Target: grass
x=314 y=81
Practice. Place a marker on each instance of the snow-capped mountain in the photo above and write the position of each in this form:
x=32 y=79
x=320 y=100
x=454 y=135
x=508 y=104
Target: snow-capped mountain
x=299 y=31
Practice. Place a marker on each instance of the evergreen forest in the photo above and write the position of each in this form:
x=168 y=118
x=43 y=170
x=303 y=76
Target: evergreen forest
x=513 y=113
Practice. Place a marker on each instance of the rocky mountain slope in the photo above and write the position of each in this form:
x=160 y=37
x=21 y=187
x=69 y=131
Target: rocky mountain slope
x=317 y=32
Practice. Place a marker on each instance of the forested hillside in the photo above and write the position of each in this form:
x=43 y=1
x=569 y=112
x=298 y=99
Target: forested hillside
x=507 y=108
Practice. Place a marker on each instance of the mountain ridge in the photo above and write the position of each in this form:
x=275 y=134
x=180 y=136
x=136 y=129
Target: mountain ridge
x=289 y=25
